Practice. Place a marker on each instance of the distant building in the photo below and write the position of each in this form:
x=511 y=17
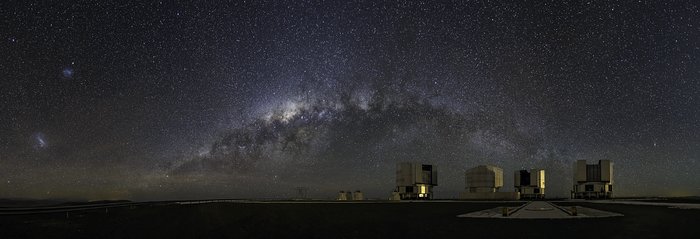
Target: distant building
x=593 y=180
x=358 y=196
x=395 y=196
x=355 y=196
x=530 y=184
x=483 y=178
x=342 y=196
x=484 y=182
x=415 y=180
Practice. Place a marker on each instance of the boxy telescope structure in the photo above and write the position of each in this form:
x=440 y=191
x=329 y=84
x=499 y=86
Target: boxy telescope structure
x=483 y=183
x=415 y=180
x=593 y=180
x=530 y=184
x=483 y=178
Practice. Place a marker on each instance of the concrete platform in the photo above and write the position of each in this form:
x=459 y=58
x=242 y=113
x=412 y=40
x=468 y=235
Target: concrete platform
x=540 y=210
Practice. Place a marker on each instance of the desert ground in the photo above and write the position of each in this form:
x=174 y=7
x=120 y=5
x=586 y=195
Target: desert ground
x=316 y=219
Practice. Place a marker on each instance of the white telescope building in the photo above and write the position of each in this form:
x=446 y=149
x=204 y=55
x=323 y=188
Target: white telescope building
x=530 y=184
x=415 y=180
x=593 y=180
x=484 y=182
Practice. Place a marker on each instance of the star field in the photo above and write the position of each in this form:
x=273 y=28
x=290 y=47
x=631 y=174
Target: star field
x=162 y=100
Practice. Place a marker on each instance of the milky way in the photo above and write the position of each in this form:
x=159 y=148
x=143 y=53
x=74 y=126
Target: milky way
x=237 y=100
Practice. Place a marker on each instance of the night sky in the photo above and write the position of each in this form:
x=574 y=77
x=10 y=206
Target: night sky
x=160 y=100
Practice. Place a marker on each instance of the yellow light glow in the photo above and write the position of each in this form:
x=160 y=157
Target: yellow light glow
x=542 y=179
x=422 y=189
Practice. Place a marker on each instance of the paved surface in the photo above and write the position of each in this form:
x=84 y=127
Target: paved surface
x=541 y=210
x=344 y=220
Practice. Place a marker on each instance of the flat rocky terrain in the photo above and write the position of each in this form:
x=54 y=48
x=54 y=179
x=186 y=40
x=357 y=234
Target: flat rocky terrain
x=345 y=220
